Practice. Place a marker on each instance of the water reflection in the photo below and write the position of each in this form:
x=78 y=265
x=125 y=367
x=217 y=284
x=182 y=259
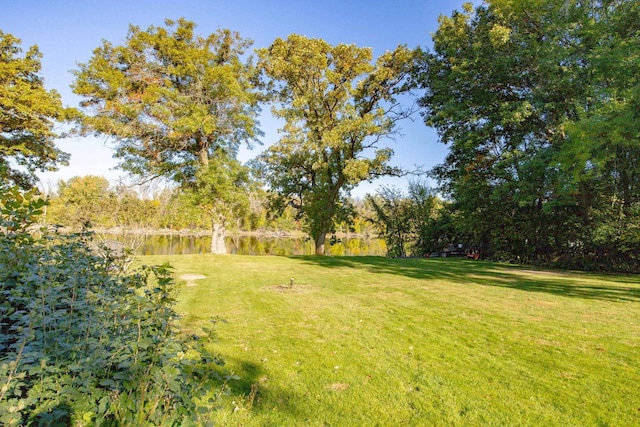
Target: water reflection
x=165 y=244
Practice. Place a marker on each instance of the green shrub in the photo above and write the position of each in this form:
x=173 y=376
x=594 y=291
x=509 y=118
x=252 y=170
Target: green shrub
x=83 y=343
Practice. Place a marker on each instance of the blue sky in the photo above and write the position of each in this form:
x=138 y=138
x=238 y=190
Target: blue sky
x=67 y=31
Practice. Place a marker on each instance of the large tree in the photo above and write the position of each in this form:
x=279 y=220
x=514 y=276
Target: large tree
x=337 y=106
x=172 y=101
x=603 y=158
x=537 y=100
x=28 y=113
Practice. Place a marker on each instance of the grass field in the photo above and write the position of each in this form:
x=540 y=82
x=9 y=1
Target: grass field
x=365 y=341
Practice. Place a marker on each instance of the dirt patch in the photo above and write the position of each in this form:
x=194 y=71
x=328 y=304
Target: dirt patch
x=338 y=387
x=292 y=288
x=191 y=278
x=288 y=289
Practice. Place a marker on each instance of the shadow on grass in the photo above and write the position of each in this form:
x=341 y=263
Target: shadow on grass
x=254 y=390
x=575 y=285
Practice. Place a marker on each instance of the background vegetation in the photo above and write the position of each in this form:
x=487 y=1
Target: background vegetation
x=537 y=101
x=91 y=200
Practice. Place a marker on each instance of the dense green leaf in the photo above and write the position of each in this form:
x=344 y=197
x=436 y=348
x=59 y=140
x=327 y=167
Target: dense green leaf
x=337 y=107
x=538 y=101
x=28 y=113
x=83 y=344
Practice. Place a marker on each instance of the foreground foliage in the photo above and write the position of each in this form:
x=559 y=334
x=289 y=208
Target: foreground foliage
x=83 y=343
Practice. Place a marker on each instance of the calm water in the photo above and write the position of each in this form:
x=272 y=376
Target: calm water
x=252 y=245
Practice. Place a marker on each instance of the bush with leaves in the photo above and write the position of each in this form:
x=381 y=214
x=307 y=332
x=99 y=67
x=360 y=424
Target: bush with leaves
x=394 y=213
x=408 y=222
x=82 y=343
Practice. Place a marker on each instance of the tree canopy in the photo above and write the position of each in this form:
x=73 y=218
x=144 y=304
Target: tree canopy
x=172 y=101
x=538 y=101
x=28 y=113
x=169 y=98
x=337 y=106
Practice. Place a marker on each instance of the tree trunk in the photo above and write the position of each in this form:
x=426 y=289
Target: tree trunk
x=320 y=243
x=218 y=234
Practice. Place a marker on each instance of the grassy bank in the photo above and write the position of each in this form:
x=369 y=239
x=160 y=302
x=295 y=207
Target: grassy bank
x=374 y=341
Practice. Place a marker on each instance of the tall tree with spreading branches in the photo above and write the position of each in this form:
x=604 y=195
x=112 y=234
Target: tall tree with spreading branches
x=338 y=107
x=538 y=101
x=173 y=101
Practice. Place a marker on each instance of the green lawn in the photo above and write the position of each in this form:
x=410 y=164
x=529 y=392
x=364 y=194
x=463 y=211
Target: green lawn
x=364 y=341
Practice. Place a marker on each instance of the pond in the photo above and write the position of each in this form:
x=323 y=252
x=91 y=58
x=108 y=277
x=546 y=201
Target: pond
x=169 y=244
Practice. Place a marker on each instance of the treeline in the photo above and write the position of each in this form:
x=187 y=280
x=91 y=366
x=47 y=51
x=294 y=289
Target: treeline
x=537 y=100
x=540 y=108
x=539 y=103
x=93 y=202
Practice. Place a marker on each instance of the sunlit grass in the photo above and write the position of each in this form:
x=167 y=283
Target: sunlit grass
x=373 y=341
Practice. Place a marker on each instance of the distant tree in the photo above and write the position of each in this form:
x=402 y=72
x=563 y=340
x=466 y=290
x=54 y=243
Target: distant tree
x=223 y=189
x=337 y=108
x=361 y=224
x=393 y=215
x=81 y=201
x=173 y=101
x=429 y=212
x=177 y=212
x=27 y=115
x=130 y=211
x=408 y=222
x=256 y=215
